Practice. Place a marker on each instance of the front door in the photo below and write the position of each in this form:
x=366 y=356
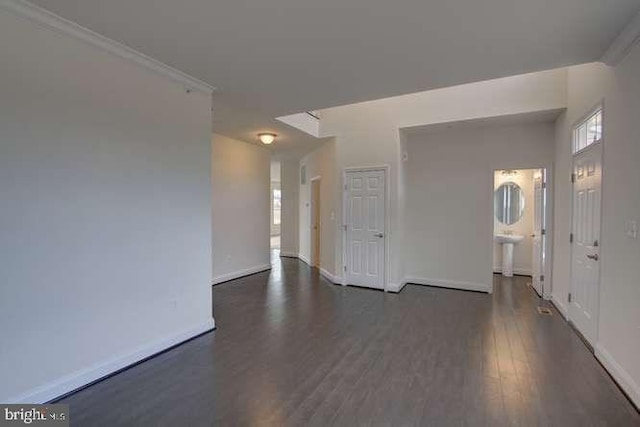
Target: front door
x=585 y=256
x=365 y=228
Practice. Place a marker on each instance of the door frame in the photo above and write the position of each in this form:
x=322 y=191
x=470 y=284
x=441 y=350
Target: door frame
x=544 y=225
x=547 y=220
x=596 y=318
x=314 y=235
x=385 y=168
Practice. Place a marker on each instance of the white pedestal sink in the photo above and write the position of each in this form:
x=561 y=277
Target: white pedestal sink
x=507 y=241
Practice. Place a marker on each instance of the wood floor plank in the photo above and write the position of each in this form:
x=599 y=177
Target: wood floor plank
x=292 y=349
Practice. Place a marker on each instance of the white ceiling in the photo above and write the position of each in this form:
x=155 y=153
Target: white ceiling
x=277 y=57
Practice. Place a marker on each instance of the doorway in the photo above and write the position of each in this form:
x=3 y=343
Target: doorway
x=276 y=206
x=585 y=248
x=539 y=235
x=315 y=222
x=365 y=225
x=586 y=194
x=520 y=230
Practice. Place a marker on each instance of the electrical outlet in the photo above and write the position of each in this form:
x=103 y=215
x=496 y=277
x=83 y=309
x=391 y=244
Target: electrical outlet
x=228 y=259
x=173 y=303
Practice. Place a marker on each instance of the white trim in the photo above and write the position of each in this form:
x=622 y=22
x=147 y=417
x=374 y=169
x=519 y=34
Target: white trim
x=80 y=378
x=549 y=226
x=312 y=208
x=240 y=273
x=516 y=271
x=387 y=214
x=61 y=25
x=304 y=259
x=330 y=277
x=289 y=254
x=396 y=287
x=452 y=284
x=622 y=377
x=560 y=307
x=624 y=43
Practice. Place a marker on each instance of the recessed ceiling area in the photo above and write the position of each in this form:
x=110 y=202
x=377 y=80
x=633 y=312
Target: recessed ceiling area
x=544 y=116
x=245 y=124
x=280 y=57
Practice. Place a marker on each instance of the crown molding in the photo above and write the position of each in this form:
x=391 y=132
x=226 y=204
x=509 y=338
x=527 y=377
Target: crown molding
x=623 y=44
x=48 y=19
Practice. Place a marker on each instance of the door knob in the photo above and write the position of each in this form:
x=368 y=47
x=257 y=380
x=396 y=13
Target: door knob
x=594 y=257
x=379 y=234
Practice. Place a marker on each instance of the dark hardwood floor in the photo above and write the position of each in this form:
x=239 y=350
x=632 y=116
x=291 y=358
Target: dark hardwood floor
x=292 y=349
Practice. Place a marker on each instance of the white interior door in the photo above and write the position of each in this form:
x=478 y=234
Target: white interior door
x=537 y=262
x=585 y=264
x=365 y=228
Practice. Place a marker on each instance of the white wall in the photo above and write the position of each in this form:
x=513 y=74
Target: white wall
x=241 y=205
x=319 y=163
x=367 y=134
x=105 y=248
x=617 y=345
x=523 y=251
x=290 y=174
x=449 y=197
x=275 y=171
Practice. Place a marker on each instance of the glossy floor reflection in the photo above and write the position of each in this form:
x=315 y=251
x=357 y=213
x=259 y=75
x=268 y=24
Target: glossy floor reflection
x=292 y=349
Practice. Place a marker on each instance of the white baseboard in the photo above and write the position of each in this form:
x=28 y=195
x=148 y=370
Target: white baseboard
x=560 y=306
x=330 y=277
x=71 y=382
x=516 y=271
x=304 y=259
x=621 y=376
x=333 y=278
x=452 y=284
x=396 y=287
x=288 y=254
x=240 y=273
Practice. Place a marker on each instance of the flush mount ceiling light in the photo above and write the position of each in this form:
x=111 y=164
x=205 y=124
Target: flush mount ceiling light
x=267 y=138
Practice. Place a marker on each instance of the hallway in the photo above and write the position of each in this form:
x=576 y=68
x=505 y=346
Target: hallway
x=293 y=349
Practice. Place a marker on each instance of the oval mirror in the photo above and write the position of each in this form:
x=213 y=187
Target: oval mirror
x=508 y=203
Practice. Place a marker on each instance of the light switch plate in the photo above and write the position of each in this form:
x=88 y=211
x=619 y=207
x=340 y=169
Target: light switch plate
x=631 y=228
